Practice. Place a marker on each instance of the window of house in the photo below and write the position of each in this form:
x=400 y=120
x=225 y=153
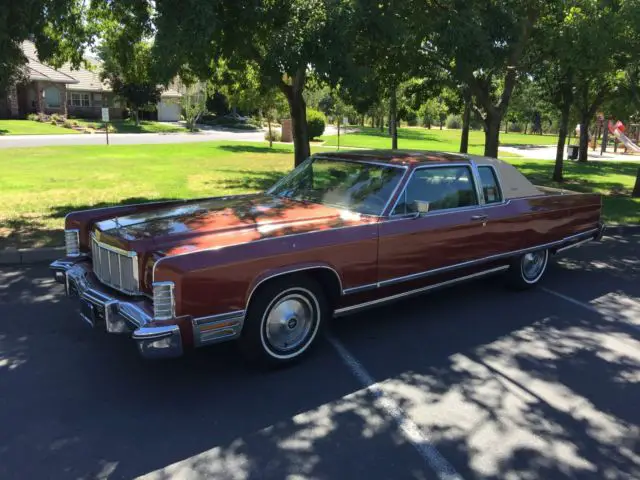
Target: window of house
x=52 y=97
x=80 y=100
x=490 y=185
x=437 y=188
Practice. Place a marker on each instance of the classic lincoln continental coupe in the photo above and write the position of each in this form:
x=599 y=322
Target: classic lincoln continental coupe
x=342 y=232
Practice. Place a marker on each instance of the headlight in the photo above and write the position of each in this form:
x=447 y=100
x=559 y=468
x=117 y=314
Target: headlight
x=164 y=307
x=72 y=242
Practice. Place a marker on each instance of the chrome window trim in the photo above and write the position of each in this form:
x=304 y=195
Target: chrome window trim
x=366 y=162
x=361 y=306
x=472 y=175
x=502 y=201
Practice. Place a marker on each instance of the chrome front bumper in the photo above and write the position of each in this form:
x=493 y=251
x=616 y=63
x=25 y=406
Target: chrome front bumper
x=116 y=313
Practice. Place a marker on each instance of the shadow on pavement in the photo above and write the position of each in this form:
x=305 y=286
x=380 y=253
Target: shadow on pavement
x=506 y=385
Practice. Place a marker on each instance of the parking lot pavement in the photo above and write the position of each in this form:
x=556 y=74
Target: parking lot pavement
x=469 y=382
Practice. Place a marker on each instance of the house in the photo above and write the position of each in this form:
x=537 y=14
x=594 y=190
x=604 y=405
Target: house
x=76 y=92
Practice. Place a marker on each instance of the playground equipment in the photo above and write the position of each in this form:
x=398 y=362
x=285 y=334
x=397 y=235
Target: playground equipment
x=617 y=130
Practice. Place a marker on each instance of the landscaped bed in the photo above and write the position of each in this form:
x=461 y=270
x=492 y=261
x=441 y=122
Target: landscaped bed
x=39 y=186
x=29 y=127
x=129 y=126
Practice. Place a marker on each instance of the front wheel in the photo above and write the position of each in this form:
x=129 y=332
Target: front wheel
x=527 y=270
x=283 y=321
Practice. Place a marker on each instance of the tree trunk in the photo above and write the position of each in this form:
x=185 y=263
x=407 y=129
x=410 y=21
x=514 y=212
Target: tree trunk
x=491 y=135
x=466 y=120
x=270 y=136
x=393 y=111
x=506 y=126
x=636 y=188
x=137 y=116
x=562 y=136
x=526 y=125
x=298 y=111
x=441 y=123
x=584 y=139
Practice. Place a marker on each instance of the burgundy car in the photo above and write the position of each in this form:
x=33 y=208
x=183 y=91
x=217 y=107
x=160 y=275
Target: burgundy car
x=342 y=232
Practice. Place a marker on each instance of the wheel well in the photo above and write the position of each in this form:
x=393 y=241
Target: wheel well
x=327 y=279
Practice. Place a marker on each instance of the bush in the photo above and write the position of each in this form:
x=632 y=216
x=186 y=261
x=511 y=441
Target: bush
x=53 y=122
x=453 y=121
x=92 y=126
x=412 y=118
x=68 y=124
x=315 y=123
x=33 y=117
x=515 y=127
x=56 y=117
x=276 y=135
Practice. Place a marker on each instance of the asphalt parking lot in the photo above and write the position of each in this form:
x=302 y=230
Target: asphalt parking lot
x=470 y=382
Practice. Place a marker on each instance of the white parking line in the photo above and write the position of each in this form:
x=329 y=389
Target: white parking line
x=586 y=306
x=412 y=433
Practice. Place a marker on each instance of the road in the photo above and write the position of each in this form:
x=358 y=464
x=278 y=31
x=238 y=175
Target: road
x=541 y=152
x=209 y=135
x=471 y=382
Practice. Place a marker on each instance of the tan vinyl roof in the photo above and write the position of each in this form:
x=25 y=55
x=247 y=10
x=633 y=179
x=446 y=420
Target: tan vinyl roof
x=514 y=184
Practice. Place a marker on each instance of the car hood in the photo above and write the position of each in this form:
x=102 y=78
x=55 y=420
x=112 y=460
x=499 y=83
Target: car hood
x=219 y=222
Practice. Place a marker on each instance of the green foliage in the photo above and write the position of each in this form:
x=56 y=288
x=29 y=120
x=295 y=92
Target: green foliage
x=453 y=121
x=33 y=117
x=276 y=135
x=67 y=124
x=315 y=123
x=194 y=103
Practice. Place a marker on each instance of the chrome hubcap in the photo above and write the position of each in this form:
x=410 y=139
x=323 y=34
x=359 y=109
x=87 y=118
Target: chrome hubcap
x=289 y=322
x=533 y=263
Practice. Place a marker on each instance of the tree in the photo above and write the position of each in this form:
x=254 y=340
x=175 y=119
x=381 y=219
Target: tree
x=193 y=103
x=57 y=27
x=483 y=46
x=285 y=41
x=129 y=71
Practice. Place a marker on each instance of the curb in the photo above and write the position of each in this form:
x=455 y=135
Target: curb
x=33 y=256
x=30 y=256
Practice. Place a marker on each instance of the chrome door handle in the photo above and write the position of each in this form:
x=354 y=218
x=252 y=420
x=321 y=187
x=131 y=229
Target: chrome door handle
x=479 y=218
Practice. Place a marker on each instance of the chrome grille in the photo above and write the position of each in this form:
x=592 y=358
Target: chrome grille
x=115 y=268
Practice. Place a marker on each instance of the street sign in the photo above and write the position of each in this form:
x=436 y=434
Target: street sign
x=105 y=114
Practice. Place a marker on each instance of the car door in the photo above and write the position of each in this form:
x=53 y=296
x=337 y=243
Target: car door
x=437 y=222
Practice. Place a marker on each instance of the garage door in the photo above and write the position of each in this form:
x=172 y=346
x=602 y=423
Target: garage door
x=168 y=111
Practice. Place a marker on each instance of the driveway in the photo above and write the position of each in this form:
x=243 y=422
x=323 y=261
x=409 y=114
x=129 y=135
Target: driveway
x=470 y=382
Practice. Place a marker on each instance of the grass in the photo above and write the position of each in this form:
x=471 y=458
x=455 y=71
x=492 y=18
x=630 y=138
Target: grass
x=129 y=126
x=416 y=138
x=39 y=186
x=29 y=127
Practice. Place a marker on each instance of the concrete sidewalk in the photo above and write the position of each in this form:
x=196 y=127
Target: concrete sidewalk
x=540 y=152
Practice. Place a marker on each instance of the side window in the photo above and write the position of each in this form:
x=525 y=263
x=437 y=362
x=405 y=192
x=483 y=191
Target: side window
x=490 y=185
x=437 y=188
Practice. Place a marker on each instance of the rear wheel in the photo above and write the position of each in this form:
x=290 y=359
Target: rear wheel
x=527 y=270
x=283 y=321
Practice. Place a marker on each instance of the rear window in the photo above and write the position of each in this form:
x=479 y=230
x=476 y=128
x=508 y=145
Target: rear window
x=490 y=185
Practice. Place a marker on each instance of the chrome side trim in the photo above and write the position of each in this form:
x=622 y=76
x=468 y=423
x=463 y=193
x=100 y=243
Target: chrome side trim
x=573 y=245
x=361 y=288
x=445 y=165
x=362 y=306
x=294 y=271
x=217 y=328
x=589 y=234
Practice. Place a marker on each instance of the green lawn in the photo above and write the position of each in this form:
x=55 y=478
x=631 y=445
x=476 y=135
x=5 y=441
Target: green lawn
x=417 y=138
x=29 y=127
x=39 y=186
x=129 y=126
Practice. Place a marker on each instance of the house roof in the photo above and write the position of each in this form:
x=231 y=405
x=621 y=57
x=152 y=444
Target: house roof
x=80 y=79
x=40 y=71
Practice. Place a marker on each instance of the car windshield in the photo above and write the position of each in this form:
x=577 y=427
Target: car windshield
x=359 y=187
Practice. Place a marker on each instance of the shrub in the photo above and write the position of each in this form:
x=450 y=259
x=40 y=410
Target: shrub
x=515 y=127
x=33 y=117
x=68 y=124
x=75 y=124
x=56 y=117
x=276 y=135
x=315 y=123
x=453 y=121
x=53 y=122
x=412 y=118
x=92 y=126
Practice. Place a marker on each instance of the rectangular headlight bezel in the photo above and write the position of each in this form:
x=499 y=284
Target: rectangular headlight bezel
x=164 y=304
x=72 y=242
